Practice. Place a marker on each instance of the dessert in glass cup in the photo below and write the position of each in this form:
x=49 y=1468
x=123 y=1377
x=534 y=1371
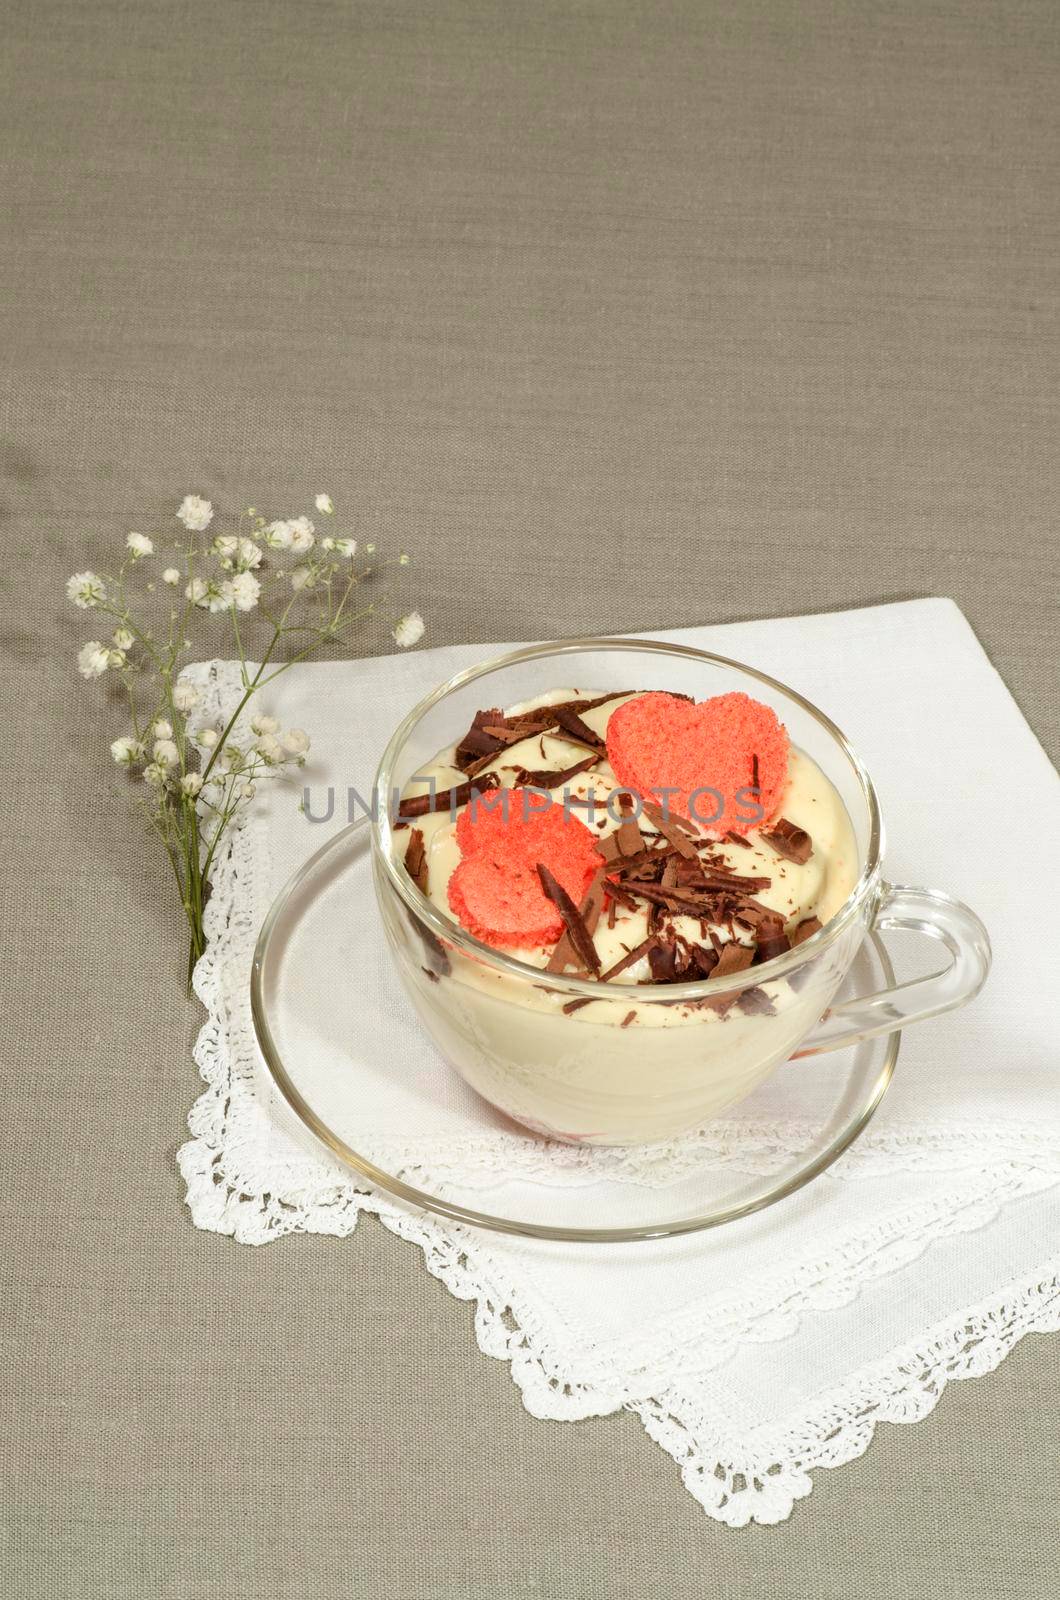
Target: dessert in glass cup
x=620 y=900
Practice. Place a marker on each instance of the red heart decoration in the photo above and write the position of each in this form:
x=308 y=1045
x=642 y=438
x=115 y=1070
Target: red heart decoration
x=495 y=891
x=658 y=743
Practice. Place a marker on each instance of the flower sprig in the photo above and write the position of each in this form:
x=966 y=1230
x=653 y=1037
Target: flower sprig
x=197 y=776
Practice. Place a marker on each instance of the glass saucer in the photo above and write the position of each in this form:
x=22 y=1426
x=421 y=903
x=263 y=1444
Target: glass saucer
x=343 y=1046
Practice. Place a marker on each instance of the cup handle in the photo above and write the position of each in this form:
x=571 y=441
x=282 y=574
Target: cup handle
x=926 y=911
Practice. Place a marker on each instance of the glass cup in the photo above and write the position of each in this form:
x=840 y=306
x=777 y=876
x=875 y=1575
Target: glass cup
x=585 y=1075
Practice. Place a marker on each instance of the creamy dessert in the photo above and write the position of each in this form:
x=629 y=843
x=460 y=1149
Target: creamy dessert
x=636 y=841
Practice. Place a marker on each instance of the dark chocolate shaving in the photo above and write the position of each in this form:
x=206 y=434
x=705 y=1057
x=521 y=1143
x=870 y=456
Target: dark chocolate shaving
x=580 y=938
x=629 y=959
x=806 y=929
x=575 y=1005
x=629 y=841
x=549 y=779
x=507 y=733
x=738 y=838
x=671 y=830
x=706 y=960
x=665 y=961
x=579 y=705
x=732 y=958
x=564 y=954
x=669 y=899
x=435 y=951
x=616 y=892
x=491 y=730
x=756 y=1003
x=716 y=877
x=476 y=742
x=611 y=847
x=630 y=1016
x=446 y=799
x=574 y=728
x=793 y=843
x=482 y=763
x=416 y=860
x=771 y=944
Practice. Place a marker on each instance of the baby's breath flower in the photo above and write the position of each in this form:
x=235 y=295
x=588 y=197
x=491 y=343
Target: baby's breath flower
x=278 y=535
x=409 y=630
x=86 y=589
x=195 y=513
x=244 y=590
x=225 y=546
x=302 y=534
x=126 y=751
x=237 y=574
x=270 y=750
x=93 y=659
x=208 y=595
x=186 y=697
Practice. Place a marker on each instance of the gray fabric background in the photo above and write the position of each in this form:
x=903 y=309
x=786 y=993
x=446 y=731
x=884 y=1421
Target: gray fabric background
x=615 y=316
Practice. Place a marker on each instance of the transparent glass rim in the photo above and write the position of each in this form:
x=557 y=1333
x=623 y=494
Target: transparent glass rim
x=422 y=1200
x=382 y=834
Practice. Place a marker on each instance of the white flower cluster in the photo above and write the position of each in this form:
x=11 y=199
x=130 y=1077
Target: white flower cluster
x=195 y=513
x=86 y=589
x=270 y=745
x=198 y=776
x=157 y=750
x=297 y=534
x=94 y=658
x=409 y=630
x=236 y=554
x=241 y=591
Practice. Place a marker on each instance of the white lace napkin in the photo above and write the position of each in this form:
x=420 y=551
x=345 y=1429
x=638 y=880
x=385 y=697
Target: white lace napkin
x=760 y=1351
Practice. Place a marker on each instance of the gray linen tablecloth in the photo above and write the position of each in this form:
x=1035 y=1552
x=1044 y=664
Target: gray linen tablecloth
x=615 y=315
